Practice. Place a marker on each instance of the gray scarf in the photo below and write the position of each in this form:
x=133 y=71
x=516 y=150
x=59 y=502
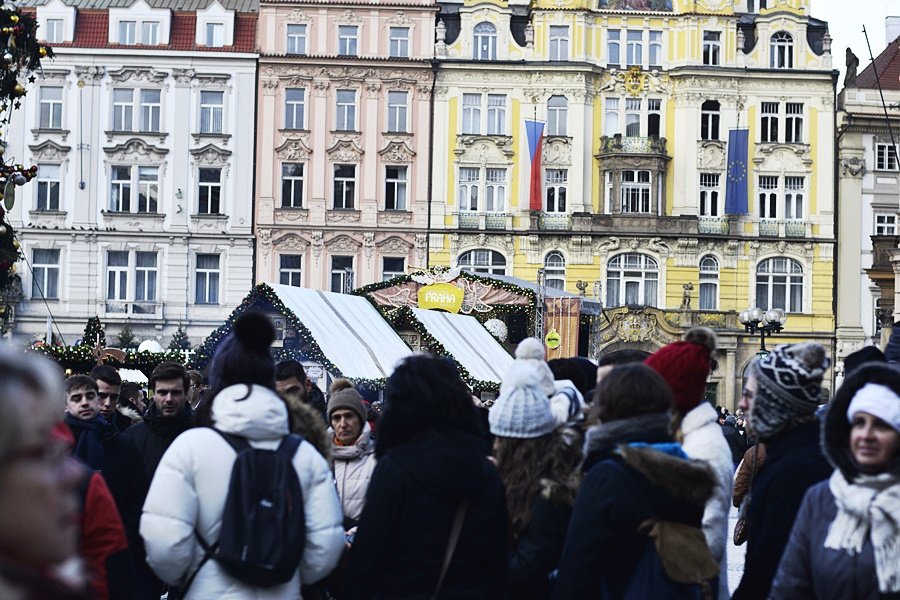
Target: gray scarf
x=648 y=427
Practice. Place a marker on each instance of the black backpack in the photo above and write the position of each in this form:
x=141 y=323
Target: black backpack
x=263 y=524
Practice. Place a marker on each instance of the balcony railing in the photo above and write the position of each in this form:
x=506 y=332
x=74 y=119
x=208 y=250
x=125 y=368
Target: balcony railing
x=135 y=309
x=620 y=144
x=714 y=225
x=790 y=228
x=468 y=220
x=496 y=221
x=555 y=221
x=769 y=227
x=795 y=229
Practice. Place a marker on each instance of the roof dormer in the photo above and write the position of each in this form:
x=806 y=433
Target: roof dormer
x=139 y=25
x=215 y=26
x=56 y=22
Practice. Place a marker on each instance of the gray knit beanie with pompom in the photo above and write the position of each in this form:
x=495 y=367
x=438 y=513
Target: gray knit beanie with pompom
x=523 y=408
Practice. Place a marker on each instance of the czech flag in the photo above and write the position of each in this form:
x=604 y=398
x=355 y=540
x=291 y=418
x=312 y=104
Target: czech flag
x=534 y=131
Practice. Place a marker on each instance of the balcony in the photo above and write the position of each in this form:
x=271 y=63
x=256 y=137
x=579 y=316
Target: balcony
x=140 y=310
x=795 y=229
x=554 y=221
x=883 y=248
x=713 y=225
x=769 y=227
x=468 y=220
x=619 y=144
x=790 y=228
x=494 y=221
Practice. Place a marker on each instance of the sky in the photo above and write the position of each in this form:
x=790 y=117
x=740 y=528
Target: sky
x=846 y=19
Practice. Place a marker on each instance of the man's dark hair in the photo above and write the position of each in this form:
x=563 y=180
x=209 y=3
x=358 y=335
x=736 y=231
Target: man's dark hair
x=77 y=382
x=290 y=368
x=195 y=377
x=622 y=357
x=564 y=368
x=129 y=391
x=631 y=390
x=106 y=374
x=169 y=370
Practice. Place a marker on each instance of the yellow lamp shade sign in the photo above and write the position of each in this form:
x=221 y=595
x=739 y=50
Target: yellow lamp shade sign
x=552 y=339
x=441 y=296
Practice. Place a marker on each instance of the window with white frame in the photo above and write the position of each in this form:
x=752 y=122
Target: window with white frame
x=399 y=42
x=654 y=116
x=51 y=105
x=709 y=283
x=120 y=265
x=346 y=110
x=632 y=279
x=206 y=279
x=768 y=196
x=120 y=188
x=395 y=188
x=885 y=224
x=611 y=117
x=469 y=185
x=712 y=48
x=781 y=51
x=769 y=122
x=150 y=33
x=634 y=49
x=793 y=122
x=793 y=197
x=54 y=31
x=482 y=261
x=613 y=48
x=209 y=191
x=496 y=114
x=348 y=40
x=294 y=108
x=123 y=109
x=148 y=189
x=485 y=35
x=885 y=157
x=48 y=185
x=779 y=284
x=556 y=184
x=215 y=35
x=398 y=107
x=633 y=116
x=145 y=277
x=344 y=186
x=478 y=117
x=471 y=122
x=125 y=178
x=559 y=42
x=776 y=191
x=709 y=194
x=555 y=270
x=150 y=109
x=392 y=266
x=128 y=33
x=290 y=270
x=341 y=273
x=212 y=112
x=148 y=112
x=655 y=48
x=495 y=190
x=635 y=191
x=557 y=115
x=45 y=274
x=709 y=120
x=488 y=183
x=296 y=39
x=292 y=185
x=117 y=275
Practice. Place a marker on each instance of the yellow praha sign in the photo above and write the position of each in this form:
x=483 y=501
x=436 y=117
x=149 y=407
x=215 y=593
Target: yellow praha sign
x=441 y=296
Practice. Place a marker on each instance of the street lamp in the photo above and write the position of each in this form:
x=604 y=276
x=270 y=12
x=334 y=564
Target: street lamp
x=766 y=323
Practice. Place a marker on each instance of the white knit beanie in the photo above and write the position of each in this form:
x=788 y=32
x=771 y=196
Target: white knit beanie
x=523 y=408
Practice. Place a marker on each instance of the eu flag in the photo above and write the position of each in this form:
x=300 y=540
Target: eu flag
x=736 y=184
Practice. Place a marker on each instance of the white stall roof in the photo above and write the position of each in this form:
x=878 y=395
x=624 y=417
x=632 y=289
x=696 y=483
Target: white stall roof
x=348 y=329
x=469 y=342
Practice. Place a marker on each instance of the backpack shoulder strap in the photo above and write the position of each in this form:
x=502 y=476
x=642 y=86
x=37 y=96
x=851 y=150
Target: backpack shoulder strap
x=289 y=444
x=235 y=441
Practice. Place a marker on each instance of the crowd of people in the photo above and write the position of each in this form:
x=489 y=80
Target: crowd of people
x=580 y=480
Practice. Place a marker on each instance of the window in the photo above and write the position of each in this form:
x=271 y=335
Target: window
x=557 y=115
x=48 y=182
x=634 y=48
x=53 y=31
x=769 y=122
x=485 y=42
x=51 y=108
x=347 y=40
x=556 y=183
x=709 y=120
x=496 y=114
x=123 y=110
x=555 y=270
x=793 y=123
x=885 y=157
x=885 y=224
x=768 y=196
x=781 y=51
x=611 y=117
x=296 y=39
x=772 y=194
x=344 y=186
x=292 y=185
x=150 y=33
x=709 y=194
x=145 y=277
x=341 y=274
x=392 y=267
x=468 y=188
x=45 y=274
x=709 y=283
x=472 y=110
x=395 y=188
x=631 y=279
x=489 y=183
x=215 y=35
x=291 y=270
x=654 y=116
x=127 y=32
x=471 y=113
x=150 y=110
x=117 y=275
x=206 y=282
x=212 y=107
x=793 y=197
x=485 y=262
x=346 y=110
x=210 y=191
x=495 y=190
x=397 y=111
x=655 y=48
x=779 y=284
x=148 y=189
x=294 y=108
x=613 y=54
x=712 y=48
x=146 y=182
x=559 y=42
x=120 y=189
x=399 y=42
x=633 y=117
x=635 y=191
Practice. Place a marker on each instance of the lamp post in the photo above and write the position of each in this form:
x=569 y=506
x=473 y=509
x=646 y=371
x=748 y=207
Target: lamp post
x=765 y=323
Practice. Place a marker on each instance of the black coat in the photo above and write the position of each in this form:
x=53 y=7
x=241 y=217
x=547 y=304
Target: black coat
x=737 y=443
x=155 y=434
x=404 y=529
x=539 y=547
x=794 y=463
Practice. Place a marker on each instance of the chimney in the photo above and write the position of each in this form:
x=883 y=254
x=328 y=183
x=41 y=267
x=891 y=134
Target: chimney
x=891 y=29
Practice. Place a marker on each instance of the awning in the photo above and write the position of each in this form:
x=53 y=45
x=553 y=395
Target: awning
x=468 y=342
x=589 y=306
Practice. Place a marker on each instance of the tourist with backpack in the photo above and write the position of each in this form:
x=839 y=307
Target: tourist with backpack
x=239 y=508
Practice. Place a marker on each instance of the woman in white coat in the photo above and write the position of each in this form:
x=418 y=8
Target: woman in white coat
x=188 y=492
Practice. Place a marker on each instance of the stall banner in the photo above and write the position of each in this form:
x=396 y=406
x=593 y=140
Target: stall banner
x=441 y=296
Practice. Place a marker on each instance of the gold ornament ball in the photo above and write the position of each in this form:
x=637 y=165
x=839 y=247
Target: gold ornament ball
x=16 y=244
x=2 y=150
x=42 y=52
x=14 y=18
x=19 y=89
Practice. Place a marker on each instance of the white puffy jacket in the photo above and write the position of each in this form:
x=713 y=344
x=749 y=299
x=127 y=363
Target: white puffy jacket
x=353 y=466
x=190 y=486
x=703 y=440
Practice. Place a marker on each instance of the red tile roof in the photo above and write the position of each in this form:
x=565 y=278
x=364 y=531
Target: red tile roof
x=888 y=65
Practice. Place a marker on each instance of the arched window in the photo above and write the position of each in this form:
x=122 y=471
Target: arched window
x=779 y=284
x=485 y=262
x=631 y=279
x=781 y=51
x=555 y=270
x=485 y=42
x=709 y=120
x=557 y=115
x=709 y=283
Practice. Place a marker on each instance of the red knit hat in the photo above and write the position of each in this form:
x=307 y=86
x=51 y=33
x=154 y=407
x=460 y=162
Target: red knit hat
x=685 y=366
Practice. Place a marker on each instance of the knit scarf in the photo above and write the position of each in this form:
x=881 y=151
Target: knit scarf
x=89 y=436
x=602 y=439
x=869 y=507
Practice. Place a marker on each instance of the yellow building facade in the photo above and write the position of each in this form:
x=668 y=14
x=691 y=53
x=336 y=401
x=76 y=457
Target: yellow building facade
x=637 y=99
